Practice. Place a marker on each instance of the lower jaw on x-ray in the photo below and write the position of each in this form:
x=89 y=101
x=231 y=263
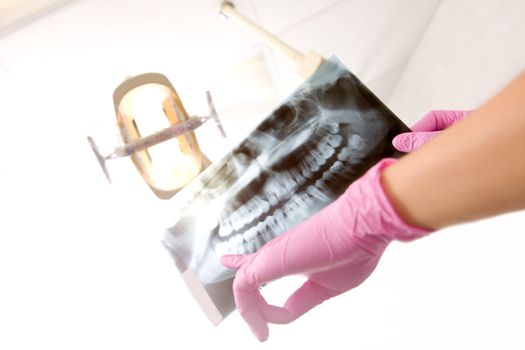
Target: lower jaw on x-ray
x=324 y=136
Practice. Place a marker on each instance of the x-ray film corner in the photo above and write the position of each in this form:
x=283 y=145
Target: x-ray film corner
x=299 y=159
x=202 y=297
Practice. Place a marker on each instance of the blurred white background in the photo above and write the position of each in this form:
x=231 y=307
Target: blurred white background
x=81 y=263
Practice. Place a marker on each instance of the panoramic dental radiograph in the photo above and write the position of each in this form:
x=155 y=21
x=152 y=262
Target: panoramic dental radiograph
x=300 y=158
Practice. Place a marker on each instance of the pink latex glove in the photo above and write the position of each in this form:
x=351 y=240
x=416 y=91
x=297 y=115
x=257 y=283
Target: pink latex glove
x=337 y=248
x=427 y=128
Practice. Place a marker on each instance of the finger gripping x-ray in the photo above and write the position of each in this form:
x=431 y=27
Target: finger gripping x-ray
x=329 y=132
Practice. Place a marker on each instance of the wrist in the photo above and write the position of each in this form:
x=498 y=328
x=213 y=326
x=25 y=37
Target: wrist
x=392 y=190
x=406 y=227
x=381 y=221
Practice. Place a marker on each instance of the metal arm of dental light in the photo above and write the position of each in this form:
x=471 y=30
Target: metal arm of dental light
x=307 y=63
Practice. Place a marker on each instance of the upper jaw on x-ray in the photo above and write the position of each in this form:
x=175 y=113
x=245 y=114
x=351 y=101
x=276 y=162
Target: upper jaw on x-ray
x=298 y=160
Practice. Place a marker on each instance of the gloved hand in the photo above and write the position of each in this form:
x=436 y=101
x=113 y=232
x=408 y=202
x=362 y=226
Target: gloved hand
x=337 y=248
x=427 y=128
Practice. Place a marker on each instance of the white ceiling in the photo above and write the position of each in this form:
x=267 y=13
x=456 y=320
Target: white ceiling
x=14 y=12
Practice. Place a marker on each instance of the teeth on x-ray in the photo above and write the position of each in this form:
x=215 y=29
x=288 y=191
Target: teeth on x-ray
x=265 y=231
x=315 y=191
x=260 y=227
x=327 y=151
x=336 y=167
x=280 y=219
x=335 y=140
x=299 y=178
x=251 y=245
x=312 y=163
x=263 y=205
x=253 y=210
x=225 y=229
x=268 y=210
x=278 y=205
x=236 y=220
x=333 y=128
x=344 y=154
x=306 y=169
x=250 y=234
x=296 y=162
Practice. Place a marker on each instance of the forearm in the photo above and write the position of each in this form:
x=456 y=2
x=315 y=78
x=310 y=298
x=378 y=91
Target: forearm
x=475 y=169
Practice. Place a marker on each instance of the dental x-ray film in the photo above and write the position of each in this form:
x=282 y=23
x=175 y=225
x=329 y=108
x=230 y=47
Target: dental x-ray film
x=299 y=159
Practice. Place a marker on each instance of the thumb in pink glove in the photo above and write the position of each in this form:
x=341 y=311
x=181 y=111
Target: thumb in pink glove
x=337 y=248
x=427 y=128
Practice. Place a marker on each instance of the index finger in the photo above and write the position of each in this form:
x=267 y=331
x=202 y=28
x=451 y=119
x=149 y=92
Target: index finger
x=246 y=295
